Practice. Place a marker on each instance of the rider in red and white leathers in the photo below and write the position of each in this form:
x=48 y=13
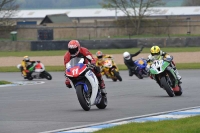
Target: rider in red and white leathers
x=75 y=50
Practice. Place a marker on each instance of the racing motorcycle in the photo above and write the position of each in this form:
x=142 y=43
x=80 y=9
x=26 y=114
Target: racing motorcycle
x=86 y=84
x=164 y=74
x=141 y=64
x=110 y=70
x=36 y=71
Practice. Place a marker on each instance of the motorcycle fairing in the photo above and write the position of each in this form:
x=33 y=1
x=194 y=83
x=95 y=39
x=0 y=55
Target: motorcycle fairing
x=107 y=63
x=142 y=63
x=39 y=67
x=158 y=66
x=95 y=85
x=173 y=74
x=76 y=70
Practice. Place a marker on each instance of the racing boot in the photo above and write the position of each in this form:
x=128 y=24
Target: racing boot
x=102 y=86
x=103 y=92
x=178 y=75
x=67 y=83
x=24 y=74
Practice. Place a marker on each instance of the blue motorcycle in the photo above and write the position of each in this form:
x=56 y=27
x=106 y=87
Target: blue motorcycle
x=141 y=64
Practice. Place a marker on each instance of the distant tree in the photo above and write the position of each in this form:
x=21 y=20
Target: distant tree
x=133 y=9
x=8 y=9
x=191 y=3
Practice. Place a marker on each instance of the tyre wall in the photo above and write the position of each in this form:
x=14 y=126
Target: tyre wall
x=90 y=44
x=99 y=44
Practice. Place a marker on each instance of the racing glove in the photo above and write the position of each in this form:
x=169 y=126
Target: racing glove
x=141 y=48
x=147 y=68
x=91 y=66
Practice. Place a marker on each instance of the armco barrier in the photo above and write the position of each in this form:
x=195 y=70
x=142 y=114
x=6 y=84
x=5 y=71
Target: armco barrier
x=90 y=44
x=100 y=44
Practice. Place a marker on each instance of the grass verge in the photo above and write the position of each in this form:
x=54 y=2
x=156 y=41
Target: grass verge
x=121 y=67
x=184 y=125
x=2 y=82
x=106 y=51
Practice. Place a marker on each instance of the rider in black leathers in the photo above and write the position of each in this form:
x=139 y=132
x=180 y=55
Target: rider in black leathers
x=129 y=62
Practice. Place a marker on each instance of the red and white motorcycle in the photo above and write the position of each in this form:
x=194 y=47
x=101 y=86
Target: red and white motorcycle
x=36 y=71
x=84 y=81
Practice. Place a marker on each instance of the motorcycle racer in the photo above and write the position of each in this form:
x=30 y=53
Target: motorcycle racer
x=100 y=56
x=75 y=50
x=128 y=61
x=25 y=65
x=156 y=54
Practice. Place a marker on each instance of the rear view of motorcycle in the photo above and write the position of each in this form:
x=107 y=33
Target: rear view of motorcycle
x=36 y=71
x=163 y=73
x=85 y=82
x=110 y=69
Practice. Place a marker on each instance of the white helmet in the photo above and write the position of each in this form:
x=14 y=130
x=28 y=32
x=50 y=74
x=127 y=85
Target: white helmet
x=126 y=55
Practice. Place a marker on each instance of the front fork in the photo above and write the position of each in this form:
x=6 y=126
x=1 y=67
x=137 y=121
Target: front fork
x=164 y=74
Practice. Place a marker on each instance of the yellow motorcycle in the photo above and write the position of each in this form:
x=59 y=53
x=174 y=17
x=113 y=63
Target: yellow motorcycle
x=110 y=69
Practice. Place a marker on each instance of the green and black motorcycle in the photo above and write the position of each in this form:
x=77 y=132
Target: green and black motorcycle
x=163 y=73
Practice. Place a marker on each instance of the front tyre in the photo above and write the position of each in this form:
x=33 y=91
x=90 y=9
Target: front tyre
x=83 y=99
x=29 y=76
x=103 y=103
x=166 y=86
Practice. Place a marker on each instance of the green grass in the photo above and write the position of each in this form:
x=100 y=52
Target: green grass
x=2 y=82
x=154 y=36
x=184 y=125
x=121 y=67
x=106 y=51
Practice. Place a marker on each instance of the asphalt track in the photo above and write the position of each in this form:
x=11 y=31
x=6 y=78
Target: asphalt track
x=52 y=106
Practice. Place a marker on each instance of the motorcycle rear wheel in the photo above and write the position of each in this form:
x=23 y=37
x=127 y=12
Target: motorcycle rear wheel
x=83 y=100
x=167 y=87
x=179 y=93
x=139 y=76
x=47 y=75
x=103 y=103
x=117 y=75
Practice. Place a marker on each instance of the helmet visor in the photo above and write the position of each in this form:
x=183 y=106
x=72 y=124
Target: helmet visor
x=99 y=57
x=127 y=57
x=153 y=54
x=73 y=51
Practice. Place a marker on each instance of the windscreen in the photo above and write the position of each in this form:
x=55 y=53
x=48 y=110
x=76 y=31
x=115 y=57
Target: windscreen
x=74 y=61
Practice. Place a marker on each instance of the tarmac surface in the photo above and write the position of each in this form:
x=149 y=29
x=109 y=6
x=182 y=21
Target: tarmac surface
x=50 y=105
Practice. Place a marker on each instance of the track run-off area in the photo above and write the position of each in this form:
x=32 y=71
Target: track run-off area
x=48 y=105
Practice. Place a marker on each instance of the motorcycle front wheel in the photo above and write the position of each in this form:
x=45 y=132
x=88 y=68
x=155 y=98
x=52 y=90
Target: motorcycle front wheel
x=167 y=87
x=83 y=99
